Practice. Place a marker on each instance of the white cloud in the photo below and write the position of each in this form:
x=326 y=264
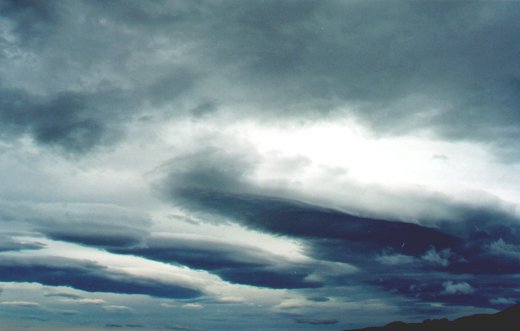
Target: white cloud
x=394 y=259
x=195 y=306
x=22 y=304
x=88 y=301
x=502 y=301
x=432 y=256
x=500 y=247
x=293 y=303
x=457 y=288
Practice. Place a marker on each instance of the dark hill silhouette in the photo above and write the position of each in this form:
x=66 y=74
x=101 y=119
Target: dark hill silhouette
x=506 y=320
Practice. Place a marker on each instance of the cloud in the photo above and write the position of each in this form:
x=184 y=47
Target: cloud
x=198 y=252
x=8 y=243
x=318 y=299
x=21 y=304
x=331 y=229
x=316 y=321
x=101 y=235
x=86 y=276
x=395 y=259
x=292 y=303
x=69 y=312
x=76 y=299
x=313 y=59
x=115 y=325
x=85 y=84
x=455 y=246
x=500 y=247
x=89 y=301
x=117 y=308
x=457 y=288
x=65 y=295
x=182 y=328
x=437 y=258
x=72 y=121
x=101 y=225
x=192 y=306
x=232 y=262
x=503 y=301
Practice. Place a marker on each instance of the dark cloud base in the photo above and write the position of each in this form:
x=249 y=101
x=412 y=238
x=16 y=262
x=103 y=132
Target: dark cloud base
x=87 y=277
x=476 y=259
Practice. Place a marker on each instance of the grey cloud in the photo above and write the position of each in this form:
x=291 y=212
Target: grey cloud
x=182 y=328
x=232 y=262
x=210 y=168
x=115 y=325
x=200 y=253
x=97 y=234
x=475 y=245
x=77 y=94
x=86 y=276
x=398 y=66
x=21 y=304
x=34 y=18
x=75 y=122
x=437 y=69
x=215 y=182
x=318 y=299
x=100 y=225
x=7 y=243
x=71 y=296
x=316 y=321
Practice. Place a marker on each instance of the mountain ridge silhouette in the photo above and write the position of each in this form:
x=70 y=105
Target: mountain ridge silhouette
x=505 y=320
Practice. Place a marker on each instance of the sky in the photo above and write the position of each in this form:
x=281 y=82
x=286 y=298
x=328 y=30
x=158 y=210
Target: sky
x=257 y=165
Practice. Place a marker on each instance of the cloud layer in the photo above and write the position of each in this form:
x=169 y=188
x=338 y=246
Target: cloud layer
x=309 y=164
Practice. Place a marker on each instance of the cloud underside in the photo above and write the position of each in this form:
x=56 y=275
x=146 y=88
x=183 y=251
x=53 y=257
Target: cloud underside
x=94 y=91
x=430 y=255
x=382 y=63
x=470 y=260
x=479 y=249
x=86 y=276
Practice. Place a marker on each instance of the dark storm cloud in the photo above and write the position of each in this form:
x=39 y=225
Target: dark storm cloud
x=399 y=66
x=403 y=65
x=210 y=168
x=85 y=276
x=455 y=260
x=327 y=228
x=75 y=122
x=99 y=235
x=336 y=236
x=277 y=278
x=198 y=253
x=78 y=93
x=233 y=263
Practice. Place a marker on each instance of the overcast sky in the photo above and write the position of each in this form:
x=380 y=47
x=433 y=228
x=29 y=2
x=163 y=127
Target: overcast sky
x=257 y=165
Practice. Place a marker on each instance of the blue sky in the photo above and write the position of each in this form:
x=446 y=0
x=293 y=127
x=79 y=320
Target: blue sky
x=273 y=165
